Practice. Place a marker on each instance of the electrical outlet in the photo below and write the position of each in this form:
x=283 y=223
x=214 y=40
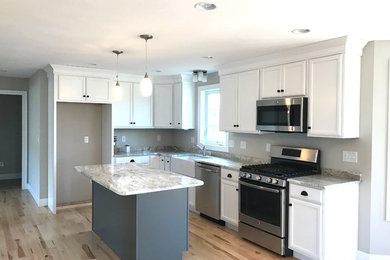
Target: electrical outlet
x=231 y=143
x=349 y=156
x=86 y=139
x=158 y=138
x=123 y=139
x=192 y=139
x=242 y=145
x=1 y=164
x=268 y=148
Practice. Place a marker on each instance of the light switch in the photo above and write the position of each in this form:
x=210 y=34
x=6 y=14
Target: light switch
x=86 y=139
x=242 y=145
x=268 y=148
x=123 y=139
x=349 y=156
x=231 y=143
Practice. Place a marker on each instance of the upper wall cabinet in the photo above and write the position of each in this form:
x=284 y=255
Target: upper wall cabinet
x=184 y=105
x=283 y=80
x=239 y=93
x=163 y=104
x=132 y=110
x=83 y=89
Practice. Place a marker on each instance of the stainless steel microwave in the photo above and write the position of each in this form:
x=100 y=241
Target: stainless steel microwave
x=287 y=115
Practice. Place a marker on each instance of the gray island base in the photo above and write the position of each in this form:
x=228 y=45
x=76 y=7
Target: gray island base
x=140 y=213
x=143 y=226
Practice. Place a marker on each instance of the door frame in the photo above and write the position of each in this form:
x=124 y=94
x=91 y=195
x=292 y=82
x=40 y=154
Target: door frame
x=24 y=131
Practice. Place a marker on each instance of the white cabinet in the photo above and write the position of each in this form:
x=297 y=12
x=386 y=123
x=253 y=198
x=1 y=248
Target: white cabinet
x=132 y=110
x=229 y=196
x=323 y=223
x=163 y=97
x=184 y=105
x=160 y=162
x=83 y=89
x=334 y=97
x=283 y=80
x=238 y=94
x=132 y=159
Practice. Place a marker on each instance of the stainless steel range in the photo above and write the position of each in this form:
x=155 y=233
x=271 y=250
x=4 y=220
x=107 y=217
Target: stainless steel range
x=264 y=195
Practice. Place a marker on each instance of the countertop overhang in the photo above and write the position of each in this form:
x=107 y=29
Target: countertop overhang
x=131 y=178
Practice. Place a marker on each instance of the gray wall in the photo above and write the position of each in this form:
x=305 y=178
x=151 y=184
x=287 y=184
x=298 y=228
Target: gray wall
x=37 y=134
x=18 y=84
x=11 y=134
x=74 y=121
x=144 y=137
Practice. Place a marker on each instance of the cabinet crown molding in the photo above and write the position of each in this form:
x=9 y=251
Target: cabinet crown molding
x=345 y=44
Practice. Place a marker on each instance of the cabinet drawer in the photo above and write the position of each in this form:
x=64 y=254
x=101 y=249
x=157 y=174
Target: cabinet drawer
x=229 y=174
x=136 y=159
x=306 y=193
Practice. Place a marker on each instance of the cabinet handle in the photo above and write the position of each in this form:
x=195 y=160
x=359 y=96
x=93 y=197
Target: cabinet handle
x=237 y=189
x=309 y=127
x=162 y=160
x=290 y=204
x=178 y=123
x=229 y=175
x=134 y=123
x=304 y=193
x=87 y=96
x=167 y=161
x=278 y=91
x=84 y=96
x=282 y=90
x=132 y=160
x=170 y=123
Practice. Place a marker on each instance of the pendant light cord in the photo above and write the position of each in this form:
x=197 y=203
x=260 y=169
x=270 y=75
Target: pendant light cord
x=146 y=56
x=117 y=57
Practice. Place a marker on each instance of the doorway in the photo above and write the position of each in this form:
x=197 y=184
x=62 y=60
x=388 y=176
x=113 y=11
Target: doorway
x=13 y=139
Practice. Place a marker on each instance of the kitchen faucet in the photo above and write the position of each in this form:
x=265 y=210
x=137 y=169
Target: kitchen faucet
x=204 y=150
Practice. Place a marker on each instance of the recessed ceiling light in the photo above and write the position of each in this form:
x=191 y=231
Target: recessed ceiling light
x=205 y=6
x=300 y=31
x=92 y=64
x=208 y=57
x=157 y=71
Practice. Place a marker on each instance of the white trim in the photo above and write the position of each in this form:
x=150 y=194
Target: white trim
x=387 y=209
x=200 y=145
x=365 y=256
x=24 y=131
x=39 y=202
x=79 y=205
x=10 y=176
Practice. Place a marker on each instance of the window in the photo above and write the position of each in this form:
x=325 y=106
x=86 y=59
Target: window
x=208 y=119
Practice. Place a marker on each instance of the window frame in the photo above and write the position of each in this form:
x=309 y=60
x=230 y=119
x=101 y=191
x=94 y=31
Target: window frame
x=224 y=148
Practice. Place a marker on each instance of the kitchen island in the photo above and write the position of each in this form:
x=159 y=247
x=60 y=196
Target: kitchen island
x=140 y=213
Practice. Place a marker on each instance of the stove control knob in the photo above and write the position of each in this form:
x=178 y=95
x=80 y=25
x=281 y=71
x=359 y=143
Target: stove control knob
x=275 y=181
x=269 y=180
x=248 y=175
x=258 y=178
x=242 y=174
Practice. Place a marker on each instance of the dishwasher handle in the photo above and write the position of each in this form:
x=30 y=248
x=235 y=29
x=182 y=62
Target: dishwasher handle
x=208 y=167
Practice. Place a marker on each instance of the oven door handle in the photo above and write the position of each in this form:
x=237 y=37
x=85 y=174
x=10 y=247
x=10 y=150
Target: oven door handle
x=259 y=187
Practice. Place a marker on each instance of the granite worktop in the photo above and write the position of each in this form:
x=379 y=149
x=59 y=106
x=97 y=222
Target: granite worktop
x=131 y=179
x=327 y=178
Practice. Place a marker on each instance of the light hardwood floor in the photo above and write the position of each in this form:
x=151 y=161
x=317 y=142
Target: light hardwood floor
x=30 y=232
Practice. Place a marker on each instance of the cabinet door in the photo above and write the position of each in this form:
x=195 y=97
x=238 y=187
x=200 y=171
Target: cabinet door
x=177 y=105
x=191 y=197
x=167 y=163
x=325 y=83
x=98 y=90
x=163 y=106
x=248 y=91
x=161 y=164
x=228 y=103
x=121 y=108
x=229 y=202
x=71 y=88
x=270 y=82
x=305 y=228
x=294 y=79
x=141 y=108
x=154 y=162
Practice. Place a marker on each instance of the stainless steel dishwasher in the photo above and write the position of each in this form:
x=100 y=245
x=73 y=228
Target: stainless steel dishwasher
x=208 y=196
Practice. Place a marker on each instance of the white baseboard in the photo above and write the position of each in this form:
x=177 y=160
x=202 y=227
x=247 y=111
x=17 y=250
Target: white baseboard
x=364 y=256
x=10 y=176
x=38 y=201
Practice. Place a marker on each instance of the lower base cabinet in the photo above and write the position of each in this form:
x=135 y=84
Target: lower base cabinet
x=135 y=159
x=323 y=224
x=229 y=196
x=185 y=167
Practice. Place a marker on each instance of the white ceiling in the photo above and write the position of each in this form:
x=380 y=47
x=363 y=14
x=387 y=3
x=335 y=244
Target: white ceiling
x=34 y=33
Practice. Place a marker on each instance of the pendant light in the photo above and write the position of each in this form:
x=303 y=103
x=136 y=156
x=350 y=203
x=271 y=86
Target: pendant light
x=117 y=90
x=146 y=86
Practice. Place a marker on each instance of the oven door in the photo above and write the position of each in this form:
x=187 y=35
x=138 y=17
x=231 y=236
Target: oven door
x=282 y=115
x=263 y=207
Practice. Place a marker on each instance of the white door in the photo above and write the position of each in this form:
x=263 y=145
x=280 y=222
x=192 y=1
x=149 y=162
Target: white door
x=228 y=103
x=163 y=106
x=177 y=105
x=325 y=83
x=98 y=90
x=270 y=82
x=305 y=228
x=248 y=91
x=294 y=79
x=71 y=88
x=121 y=108
x=229 y=202
x=141 y=108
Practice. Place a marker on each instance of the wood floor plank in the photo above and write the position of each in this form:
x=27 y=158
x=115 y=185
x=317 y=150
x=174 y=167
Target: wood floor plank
x=31 y=232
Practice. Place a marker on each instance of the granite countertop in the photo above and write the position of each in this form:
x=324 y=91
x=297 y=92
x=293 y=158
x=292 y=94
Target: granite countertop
x=147 y=153
x=226 y=163
x=327 y=178
x=130 y=179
